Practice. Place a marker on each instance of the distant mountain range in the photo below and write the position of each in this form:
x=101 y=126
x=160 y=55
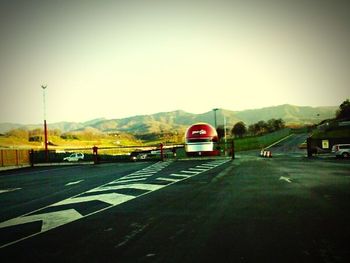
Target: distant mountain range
x=180 y=120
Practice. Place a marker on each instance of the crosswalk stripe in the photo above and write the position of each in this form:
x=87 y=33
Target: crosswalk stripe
x=167 y=179
x=199 y=169
x=111 y=198
x=189 y=172
x=181 y=175
x=138 y=176
x=131 y=180
x=140 y=186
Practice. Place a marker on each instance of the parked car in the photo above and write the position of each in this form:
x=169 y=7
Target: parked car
x=341 y=150
x=140 y=156
x=74 y=157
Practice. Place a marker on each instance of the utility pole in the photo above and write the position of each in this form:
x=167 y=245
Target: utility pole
x=45 y=125
x=225 y=134
x=215 y=117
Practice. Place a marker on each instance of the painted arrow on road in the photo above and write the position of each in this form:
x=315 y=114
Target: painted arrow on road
x=285 y=179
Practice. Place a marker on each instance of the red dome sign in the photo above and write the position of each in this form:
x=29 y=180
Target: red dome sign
x=201 y=130
x=201 y=139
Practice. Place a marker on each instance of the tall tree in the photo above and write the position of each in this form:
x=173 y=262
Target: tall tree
x=344 y=110
x=262 y=127
x=275 y=125
x=239 y=129
x=271 y=125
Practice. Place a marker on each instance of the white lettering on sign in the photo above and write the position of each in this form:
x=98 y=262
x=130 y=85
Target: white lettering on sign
x=199 y=132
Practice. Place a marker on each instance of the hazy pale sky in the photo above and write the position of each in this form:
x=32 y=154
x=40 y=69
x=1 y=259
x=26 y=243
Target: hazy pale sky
x=117 y=59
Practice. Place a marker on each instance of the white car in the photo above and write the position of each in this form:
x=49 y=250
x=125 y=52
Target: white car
x=74 y=157
x=341 y=150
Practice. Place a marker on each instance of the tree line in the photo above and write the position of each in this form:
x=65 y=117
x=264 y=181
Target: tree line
x=240 y=129
x=343 y=113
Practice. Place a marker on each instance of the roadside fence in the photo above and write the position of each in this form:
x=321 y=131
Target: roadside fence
x=14 y=157
x=19 y=157
x=108 y=154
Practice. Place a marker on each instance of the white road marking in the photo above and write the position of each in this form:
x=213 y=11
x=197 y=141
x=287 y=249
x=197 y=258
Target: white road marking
x=9 y=190
x=167 y=179
x=285 y=179
x=203 y=167
x=49 y=220
x=131 y=180
x=198 y=169
x=190 y=172
x=112 y=199
x=73 y=183
x=141 y=174
x=57 y=218
x=278 y=141
x=149 y=187
x=209 y=166
x=138 y=176
x=181 y=175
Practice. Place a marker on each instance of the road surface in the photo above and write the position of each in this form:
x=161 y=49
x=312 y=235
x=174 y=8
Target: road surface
x=251 y=209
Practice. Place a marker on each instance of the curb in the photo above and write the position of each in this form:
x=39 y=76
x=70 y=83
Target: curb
x=8 y=168
x=61 y=164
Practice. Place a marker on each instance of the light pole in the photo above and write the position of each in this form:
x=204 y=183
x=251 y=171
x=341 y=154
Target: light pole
x=45 y=125
x=225 y=134
x=215 y=117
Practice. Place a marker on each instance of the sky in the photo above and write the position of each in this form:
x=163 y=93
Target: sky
x=116 y=59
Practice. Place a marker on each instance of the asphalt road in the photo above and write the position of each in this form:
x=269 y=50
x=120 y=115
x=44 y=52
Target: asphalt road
x=287 y=208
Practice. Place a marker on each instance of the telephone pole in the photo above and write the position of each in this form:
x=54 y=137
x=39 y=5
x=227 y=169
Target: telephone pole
x=45 y=125
x=215 y=117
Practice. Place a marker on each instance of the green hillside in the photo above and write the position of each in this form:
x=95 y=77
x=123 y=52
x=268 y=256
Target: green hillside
x=179 y=120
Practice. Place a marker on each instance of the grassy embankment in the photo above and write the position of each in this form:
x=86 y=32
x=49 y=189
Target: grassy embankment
x=259 y=142
x=57 y=143
x=250 y=143
x=114 y=144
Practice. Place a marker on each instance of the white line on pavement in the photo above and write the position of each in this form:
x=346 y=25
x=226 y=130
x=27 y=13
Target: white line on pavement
x=285 y=179
x=198 y=169
x=130 y=180
x=278 y=141
x=9 y=190
x=181 y=175
x=138 y=176
x=189 y=172
x=167 y=179
x=73 y=183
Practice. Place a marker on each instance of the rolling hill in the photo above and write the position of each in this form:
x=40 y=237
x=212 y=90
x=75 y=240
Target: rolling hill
x=180 y=120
